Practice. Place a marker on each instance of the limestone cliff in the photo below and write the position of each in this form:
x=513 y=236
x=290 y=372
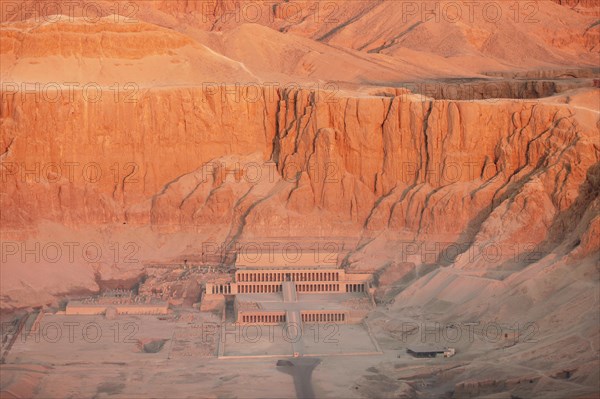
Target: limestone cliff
x=500 y=170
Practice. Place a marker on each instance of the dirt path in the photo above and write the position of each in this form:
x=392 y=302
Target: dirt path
x=301 y=370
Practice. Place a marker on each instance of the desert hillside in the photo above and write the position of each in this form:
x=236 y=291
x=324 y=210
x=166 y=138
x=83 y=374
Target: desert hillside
x=453 y=152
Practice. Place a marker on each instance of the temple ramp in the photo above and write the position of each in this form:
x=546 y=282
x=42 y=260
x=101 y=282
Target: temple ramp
x=289 y=291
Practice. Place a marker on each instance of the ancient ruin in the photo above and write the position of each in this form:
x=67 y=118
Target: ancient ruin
x=277 y=282
x=117 y=302
x=299 y=199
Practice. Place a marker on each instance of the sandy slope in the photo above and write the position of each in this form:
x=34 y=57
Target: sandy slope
x=363 y=42
x=106 y=53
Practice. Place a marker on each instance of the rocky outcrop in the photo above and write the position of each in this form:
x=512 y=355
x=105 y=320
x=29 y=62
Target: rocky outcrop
x=363 y=163
x=84 y=38
x=457 y=37
x=494 y=89
x=588 y=7
x=425 y=169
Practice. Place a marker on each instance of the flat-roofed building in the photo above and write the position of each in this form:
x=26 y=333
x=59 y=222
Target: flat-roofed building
x=291 y=257
x=430 y=351
x=258 y=288
x=266 y=281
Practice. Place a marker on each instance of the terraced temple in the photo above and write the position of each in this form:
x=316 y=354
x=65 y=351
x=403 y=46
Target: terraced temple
x=267 y=287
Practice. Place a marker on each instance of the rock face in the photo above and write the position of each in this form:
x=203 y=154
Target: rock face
x=364 y=42
x=589 y=7
x=108 y=54
x=182 y=132
x=426 y=168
